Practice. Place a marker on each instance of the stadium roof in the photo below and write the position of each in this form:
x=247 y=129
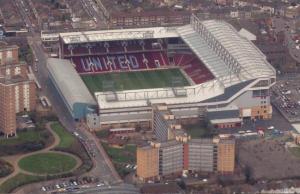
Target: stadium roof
x=251 y=59
x=69 y=82
x=229 y=56
x=120 y=34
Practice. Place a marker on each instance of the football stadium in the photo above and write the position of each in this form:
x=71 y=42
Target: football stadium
x=112 y=78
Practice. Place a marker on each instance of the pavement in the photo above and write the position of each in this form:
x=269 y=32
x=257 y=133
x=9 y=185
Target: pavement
x=14 y=160
x=103 y=168
x=115 y=189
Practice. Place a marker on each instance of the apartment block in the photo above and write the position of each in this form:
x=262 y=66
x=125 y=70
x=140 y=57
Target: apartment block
x=9 y=54
x=226 y=155
x=162 y=120
x=165 y=126
x=201 y=155
x=147 y=162
x=17 y=91
x=170 y=158
x=195 y=155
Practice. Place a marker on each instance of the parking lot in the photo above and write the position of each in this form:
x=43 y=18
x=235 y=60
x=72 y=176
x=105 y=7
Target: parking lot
x=73 y=184
x=286 y=98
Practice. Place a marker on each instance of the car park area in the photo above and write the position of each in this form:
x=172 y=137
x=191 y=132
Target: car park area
x=286 y=98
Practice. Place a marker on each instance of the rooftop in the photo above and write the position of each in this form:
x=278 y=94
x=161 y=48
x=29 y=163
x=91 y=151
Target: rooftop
x=122 y=34
x=4 y=47
x=70 y=83
x=13 y=80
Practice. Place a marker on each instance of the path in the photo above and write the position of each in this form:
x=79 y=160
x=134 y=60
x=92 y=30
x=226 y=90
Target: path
x=14 y=160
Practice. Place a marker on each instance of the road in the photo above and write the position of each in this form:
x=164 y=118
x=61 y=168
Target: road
x=103 y=168
x=24 y=11
x=281 y=25
x=122 y=188
x=93 y=10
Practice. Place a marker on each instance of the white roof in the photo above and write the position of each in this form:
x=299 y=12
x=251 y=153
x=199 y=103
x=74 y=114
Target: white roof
x=297 y=127
x=69 y=82
x=120 y=34
x=252 y=61
x=229 y=120
x=246 y=34
x=142 y=97
x=231 y=107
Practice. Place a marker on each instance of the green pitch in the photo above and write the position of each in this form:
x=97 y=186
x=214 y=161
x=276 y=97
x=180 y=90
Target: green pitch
x=134 y=80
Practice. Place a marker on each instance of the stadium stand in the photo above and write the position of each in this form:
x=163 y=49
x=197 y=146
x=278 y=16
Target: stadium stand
x=116 y=56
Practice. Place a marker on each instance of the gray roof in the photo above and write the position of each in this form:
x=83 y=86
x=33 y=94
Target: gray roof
x=229 y=92
x=69 y=82
x=224 y=114
x=202 y=141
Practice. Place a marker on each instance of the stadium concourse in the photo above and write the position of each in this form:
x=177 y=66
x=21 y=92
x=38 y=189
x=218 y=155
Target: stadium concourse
x=201 y=66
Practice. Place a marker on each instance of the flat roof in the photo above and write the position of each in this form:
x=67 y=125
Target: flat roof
x=229 y=120
x=119 y=34
x=69 y=82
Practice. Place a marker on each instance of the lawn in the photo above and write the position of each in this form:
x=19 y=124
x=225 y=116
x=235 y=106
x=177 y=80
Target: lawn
x=121 y=155
x=66 y=138
x=134 y=80
x=17 y=181
x=23 y=137
x=197 y=131
x=47 y=163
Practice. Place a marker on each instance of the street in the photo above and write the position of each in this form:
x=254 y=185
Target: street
x=279 y=25
x=103 y=167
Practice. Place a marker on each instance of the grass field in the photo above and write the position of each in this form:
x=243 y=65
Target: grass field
x=134 y=80
x=23 y=137
x=121 y=155
x=198 y=131
x=66 y=138
x=47 y=163
x=19 y=180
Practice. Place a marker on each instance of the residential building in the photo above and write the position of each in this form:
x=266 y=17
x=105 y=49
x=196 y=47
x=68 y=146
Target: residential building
x=225 y=154
x=147 y=162
x=17 y=91
x=9 y=55
x=163 y=159
x=170 y=157
x=148 y=18
x=201 y=155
